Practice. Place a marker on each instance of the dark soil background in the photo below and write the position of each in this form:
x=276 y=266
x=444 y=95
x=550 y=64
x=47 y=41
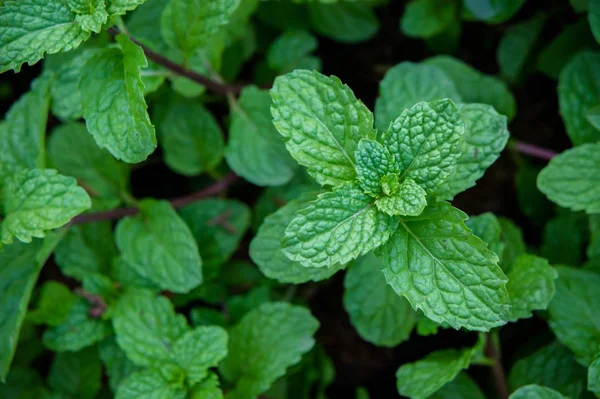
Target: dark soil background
x=362 y=66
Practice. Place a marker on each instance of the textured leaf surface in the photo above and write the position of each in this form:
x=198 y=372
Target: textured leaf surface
x=379 y=315
x=409 y=200
x=37 y=200
x=447 y=272
x=571 y=179
x=427 y=18
x=207 y=389
x=255 y=150
x=347 y=22
x=264 y=344
x=116 y=363
x=120 y=7
x=405 y=85
x=487 y=227
x=113 y=102
x=161 y=247
x=574 y=312
x=373 y=162
x=30 y=28
x=426 y=141
x=578 y=91
x=338 y=227
x=535 y=392
x=461 y=387
x=76 y=374
x=150 y=384
x=516 y=47
x=484 y=139
x=321 y=122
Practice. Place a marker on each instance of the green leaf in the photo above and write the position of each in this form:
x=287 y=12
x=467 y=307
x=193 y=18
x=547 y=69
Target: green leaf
x=37 y=200
x=405 y=85
x=563 y=239
x=24 y=383
x=116 y=363
x=264 y=344
x=161 y=247
x=347 y=22
x=91 y=16
x=487 y=227
x=530 y=286
x=200 y=349
x=373 y=162
x=23 y=130
x=321 y=122
x=190 y=137
x=104 y=176
x=255 y=150
x=484 y=139
x=574 y=312
x=535 y=392
x=492 y=11
x=409 y=200
x=553 y=366
x=150 y=384
x=446 y=271
x=190 y=25
x=378 y=314
x=53 y=306
x=291 y=50
x=339 y=226
x=532 y=202
x=474 y=86
x=570 y=179
x=427 y=18
x=113 y=102
x=426 y=142
x=207 y=389
x=594 y=18
x=120 y=7
x=578 y=91
x=147 y=327
x=30 y=28
x=76 y=374
x=514 y=245
x=78 y=331
x=593 y=249
x=462 y=387
x=593 y=116
x=594 y=376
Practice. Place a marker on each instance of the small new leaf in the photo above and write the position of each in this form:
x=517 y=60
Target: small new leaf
x=373 y=162
x=408 y=200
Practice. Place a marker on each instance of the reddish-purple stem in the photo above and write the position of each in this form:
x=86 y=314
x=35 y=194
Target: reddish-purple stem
x=534 y=150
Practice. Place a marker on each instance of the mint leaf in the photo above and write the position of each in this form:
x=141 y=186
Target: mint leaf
x=76 y=374
x=321 y=122
x=200 y=349
x=487 y=227
x=563 y=239
x=447 y=272
x=514 y=245
x=378 y=314
x=207 y=389
x=574 y=312
x=120 y=7
x=53 y=306
x=535 y=392
x=150 y=384
x=37 y=200
x=347 y=22
x=146 y=327
x=264 y=344
x=577 y=92
x=113 y=102
x=492 y=11
x=405 y=85
x=292 y=51
x=160 y=246
x=484 y=139
x=339 y=226
x=373 y=162
x=116 y=363
x=30 y=28
x=426 y=142
x=190 y=137
x=427 y=18
x=91 y=16
x=265 y=248
x=594 y=18
x=409 y=200
x=530 y=286
x=255 y=150
x=594 y=376
x=570 y=179
x=461 y=387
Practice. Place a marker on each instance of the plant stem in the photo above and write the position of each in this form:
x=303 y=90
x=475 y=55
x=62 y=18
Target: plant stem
x=497 y=368
x=217 y=87
x=115 y=214
x=533 y=150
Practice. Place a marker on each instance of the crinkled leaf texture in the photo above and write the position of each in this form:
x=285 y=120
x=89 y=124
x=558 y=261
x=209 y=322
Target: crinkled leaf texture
x=267 y=341
x=571 y=179
x=373 y=162
x=535 y=392
x=150 y=384
x=120 y=7
x=31 y=28
x=339 y=226
x=443 y=269
x=113 y=103
x=409 y=200
x=321 y=122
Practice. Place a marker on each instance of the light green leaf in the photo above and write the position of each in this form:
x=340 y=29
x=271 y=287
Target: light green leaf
x=409 y=200
x=30 y=28
x=190 y=137
x=426 y=142
x=321 y=122
x=207 y=389
x=594 y=376
x=150 y=384
x=37 y=200
x=265 y=248
x=476 y=87
x=92 y=17
x=462 y=387
x=446 y=271
x=290 y=50
x=578 y=91
x=22 y=133
x=200 y=349
x=594 y=18
x=76 y=374
x=113 y=102
x=571 y=179
x=116 y=363
x=53 y=306
x=264 y=344
x=347 y=22
x=574 y=312
x=487 y=227
x=530 y=286
x=492 y=11
x=161 y=247
x=373 y=162
x=516 y=46
x=339 y=226
x=120 y=7
x=377 y=313
x=255 y=150
x=484 y=139
x=405 y=85
x=147 y=327
x=427 y=18
x=535 y=392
